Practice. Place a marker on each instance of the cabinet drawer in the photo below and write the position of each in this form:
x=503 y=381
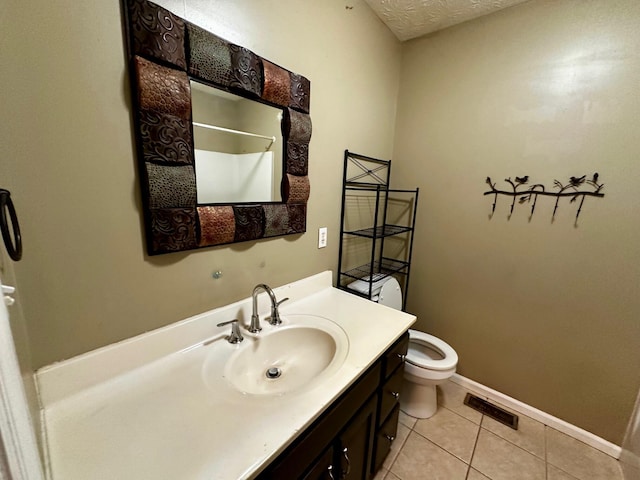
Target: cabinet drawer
x=395 y=356
x=390 y=393
x=385 y=437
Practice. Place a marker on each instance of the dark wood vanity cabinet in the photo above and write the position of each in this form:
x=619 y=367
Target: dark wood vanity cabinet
x=349 y=456
x=389 y=400
x=353 y=436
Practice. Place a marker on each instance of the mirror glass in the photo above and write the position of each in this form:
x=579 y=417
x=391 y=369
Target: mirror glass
x=237 y=146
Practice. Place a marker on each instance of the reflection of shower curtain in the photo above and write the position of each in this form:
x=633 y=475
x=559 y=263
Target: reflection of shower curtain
x=630 y=458
x=233 y=178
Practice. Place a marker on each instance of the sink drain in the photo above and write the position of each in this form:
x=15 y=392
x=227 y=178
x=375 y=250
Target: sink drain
x=273 y=372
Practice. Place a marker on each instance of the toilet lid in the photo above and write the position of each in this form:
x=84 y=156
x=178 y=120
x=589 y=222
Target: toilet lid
x=391 y=294
x=427 y=351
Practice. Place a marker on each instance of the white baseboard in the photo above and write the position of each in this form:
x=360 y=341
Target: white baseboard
x=543 y=417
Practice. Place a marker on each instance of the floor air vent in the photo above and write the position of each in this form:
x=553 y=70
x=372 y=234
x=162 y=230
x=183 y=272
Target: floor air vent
x=497 y=413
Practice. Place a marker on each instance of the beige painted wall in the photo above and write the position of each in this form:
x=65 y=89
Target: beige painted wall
x=7 y=270
x=68 y=158
x=547 y=313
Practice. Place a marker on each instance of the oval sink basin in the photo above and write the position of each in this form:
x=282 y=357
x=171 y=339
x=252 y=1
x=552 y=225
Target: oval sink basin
x=288 y=358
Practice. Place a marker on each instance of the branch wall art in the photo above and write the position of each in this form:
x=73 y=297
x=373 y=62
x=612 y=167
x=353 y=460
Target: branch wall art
x=576 y=188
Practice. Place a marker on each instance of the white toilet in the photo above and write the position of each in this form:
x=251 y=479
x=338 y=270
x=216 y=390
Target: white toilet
x=429 y=362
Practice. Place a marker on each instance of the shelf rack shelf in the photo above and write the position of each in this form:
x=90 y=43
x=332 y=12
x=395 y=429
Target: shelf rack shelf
x=379 y=232
x=381 y=217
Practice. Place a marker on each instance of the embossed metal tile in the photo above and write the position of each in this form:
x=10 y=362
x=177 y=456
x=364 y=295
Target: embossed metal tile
x=297 y=218
x=276 y=220
x=277 y=84
x=246 y=70
x=157 y=32
x=250 y=223
x=300 y=92
x=162 y=89
x=209 y=56
x=171 y=186
x=165 y=138
x=173 y=229
x=297 y=126
x=295 y=189
x=217 y=225
x=297 y=158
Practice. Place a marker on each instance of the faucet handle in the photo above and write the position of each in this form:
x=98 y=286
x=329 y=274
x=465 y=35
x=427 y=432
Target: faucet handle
x=275 y=314
x=236 y=335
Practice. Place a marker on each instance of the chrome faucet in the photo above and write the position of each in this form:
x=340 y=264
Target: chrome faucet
x=236 y=336
x=275 y=315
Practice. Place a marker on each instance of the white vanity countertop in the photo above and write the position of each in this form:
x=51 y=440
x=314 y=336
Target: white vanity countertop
x=141 y=409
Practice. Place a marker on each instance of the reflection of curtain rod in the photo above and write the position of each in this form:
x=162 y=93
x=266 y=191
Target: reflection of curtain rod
x=239 y=132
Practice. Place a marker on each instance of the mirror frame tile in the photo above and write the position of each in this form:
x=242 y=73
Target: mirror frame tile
x=164 y=52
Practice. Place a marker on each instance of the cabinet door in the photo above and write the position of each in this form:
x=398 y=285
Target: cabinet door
x=355 y=445
x=323 y=469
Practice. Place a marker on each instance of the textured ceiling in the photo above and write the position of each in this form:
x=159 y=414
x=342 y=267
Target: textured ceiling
x=412 y=18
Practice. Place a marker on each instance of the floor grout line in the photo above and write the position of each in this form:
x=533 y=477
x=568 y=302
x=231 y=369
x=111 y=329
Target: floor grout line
x=482 y=425
x=544 y=458
x=475 y=444
x=573 y=477
x=580 y=441
x=442 y=448
x=462 y=416
x=514 y=444
x=482 y=421
x=399 y=451
x=546 y=463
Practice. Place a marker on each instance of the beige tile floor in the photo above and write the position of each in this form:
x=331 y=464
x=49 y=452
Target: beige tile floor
x=459 y=443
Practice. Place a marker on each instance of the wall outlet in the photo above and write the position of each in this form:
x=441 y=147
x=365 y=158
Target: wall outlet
x=322 y=237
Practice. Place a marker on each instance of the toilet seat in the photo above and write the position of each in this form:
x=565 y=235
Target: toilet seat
x=420 y=360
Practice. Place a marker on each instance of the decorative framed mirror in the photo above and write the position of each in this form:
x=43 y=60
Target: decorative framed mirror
x=174 y=62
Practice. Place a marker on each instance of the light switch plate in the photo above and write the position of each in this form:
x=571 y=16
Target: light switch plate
x=322 y=237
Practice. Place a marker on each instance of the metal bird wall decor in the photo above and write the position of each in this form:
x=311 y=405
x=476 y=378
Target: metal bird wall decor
x=576 y=188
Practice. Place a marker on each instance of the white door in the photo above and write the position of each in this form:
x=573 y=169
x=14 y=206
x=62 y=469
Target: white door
x=20 y=459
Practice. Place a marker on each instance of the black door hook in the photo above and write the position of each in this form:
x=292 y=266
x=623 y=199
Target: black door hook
x=14 y=245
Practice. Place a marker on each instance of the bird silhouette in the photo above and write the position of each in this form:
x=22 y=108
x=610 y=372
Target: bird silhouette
x=522 y=180
x=577 y=181
x=595 y=178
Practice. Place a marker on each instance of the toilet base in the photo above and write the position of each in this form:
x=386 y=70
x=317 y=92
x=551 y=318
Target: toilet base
x=419 y=401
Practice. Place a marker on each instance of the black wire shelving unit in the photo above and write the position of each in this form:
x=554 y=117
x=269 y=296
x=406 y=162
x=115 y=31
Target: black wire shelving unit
x=366 y=195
